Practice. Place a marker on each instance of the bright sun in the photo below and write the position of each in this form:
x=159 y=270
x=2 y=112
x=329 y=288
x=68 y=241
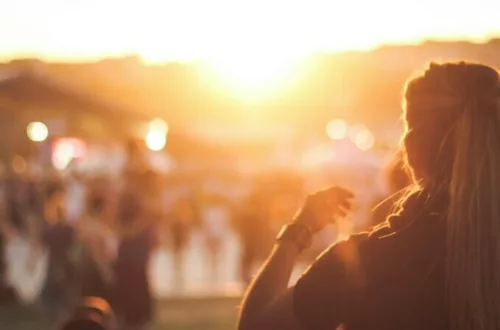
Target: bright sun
x=253 y=76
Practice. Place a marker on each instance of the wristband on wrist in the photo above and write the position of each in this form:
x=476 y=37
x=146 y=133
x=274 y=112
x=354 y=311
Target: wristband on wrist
x=298 y=234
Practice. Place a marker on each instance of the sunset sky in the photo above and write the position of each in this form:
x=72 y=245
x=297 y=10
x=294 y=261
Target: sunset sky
x=219 y=30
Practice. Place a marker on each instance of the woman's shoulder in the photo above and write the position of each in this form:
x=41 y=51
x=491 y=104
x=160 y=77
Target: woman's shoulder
x=398 y=245
x=410 y=220
x=398 y=234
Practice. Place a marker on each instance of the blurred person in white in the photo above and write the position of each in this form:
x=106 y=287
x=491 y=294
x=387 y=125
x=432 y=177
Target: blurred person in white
x=215 y=219
x=434 y=264
x=76 y=195
x=99 y=249
x=180 y=222
x=7 y=232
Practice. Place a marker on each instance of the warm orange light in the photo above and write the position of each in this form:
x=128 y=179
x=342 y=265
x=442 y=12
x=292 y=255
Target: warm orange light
x=37 y=131
x=19 y=164
x=253 y=76
x=65 y=150
x=158 y=125
x=362 y=137
x=337 y=129
x=156 y=140
x=287 y=27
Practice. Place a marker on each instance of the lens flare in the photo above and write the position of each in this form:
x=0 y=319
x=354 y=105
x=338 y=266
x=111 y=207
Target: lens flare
x=156 y=140
x=37 y=131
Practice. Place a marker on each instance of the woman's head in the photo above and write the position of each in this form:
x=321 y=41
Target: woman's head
x=452 y=145
x=441 y=107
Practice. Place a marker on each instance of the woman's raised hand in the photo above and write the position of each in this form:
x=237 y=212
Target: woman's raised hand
x=324 y=207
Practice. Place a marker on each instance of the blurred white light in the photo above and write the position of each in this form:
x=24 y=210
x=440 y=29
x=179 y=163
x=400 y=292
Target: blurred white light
x=62 y=156
x=364 y=139
x=37 y=131
x=156 y=140
x=66 y=150
x=354 y=130
x=158 y=125
x=337 y=129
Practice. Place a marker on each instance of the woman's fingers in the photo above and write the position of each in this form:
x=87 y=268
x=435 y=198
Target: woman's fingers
x=346 y=204
x=336 y=195
x=340 y=213
x=333 y=197
x=325 y=206
x=333 y=212
x=339 y=192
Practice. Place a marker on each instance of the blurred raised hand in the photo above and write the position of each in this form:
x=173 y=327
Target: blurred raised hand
x=324 y=207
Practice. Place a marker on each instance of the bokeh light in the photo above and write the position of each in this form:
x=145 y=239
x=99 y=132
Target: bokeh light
x=337 y=129
x=158 y=125
x=364 y=139
x=65 y=150
x=156 y=140
x=37 y=131
x=354 y=130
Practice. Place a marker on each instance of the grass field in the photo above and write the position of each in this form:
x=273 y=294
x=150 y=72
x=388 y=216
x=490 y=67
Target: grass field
x=214 y=313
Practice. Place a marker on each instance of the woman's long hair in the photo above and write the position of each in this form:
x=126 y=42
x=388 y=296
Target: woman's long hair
x=452 y=142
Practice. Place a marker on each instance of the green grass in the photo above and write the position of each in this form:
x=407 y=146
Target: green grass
x=215 y=313
x=16 y=318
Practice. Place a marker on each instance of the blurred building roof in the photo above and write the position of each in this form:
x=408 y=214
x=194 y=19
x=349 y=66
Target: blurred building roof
x=357 y=86
x=31 y=94
x=35 y=85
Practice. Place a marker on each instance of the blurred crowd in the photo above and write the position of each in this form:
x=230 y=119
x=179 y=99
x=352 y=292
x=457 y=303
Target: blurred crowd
x=99 y=232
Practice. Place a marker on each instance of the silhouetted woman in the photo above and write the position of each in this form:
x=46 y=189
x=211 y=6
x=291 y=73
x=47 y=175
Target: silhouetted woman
x=215 y=216
x=433 y=265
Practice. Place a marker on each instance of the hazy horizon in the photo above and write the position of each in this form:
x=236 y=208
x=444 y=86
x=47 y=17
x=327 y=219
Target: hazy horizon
x=222 y=30
x=63 y=59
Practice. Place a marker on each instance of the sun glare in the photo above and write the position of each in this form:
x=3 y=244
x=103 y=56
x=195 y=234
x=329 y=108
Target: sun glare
x=253 y=76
